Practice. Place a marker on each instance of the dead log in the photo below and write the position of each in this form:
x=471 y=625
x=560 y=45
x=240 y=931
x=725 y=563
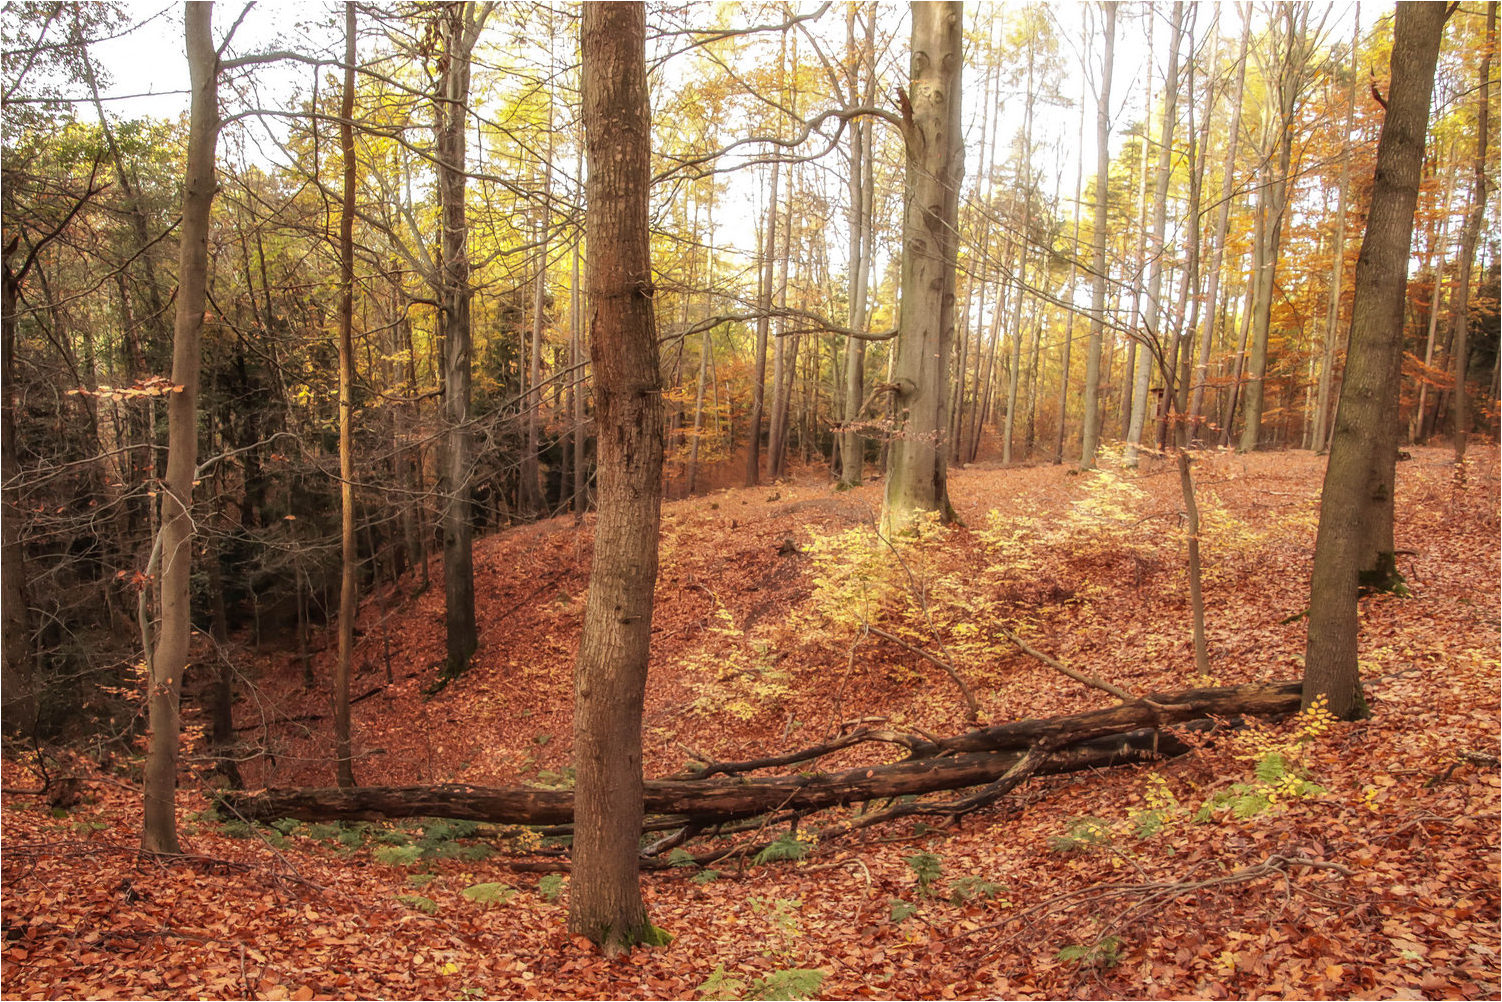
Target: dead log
x=1126 y=733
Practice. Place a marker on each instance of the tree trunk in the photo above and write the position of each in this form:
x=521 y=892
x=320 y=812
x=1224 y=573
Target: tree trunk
x=1337 y=264
x=1368 y=396
x=1218 y=242
x=763 y=329
x=1460 y=316
x=1152 y=341
x=531 y=498
x=169 y=659
x=348 y=553
x=459 y=27
x=1290 y=81
x=917 y=473
x=1090 y=433
x=605 y=902
x=18 y=695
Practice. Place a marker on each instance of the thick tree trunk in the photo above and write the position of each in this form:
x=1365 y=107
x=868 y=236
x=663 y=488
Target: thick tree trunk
x=917 y=476
x=18 y=695
x=170 y=657
x=1090 y=433
x=605 y=902
x=1127 y=732
x=1355 y=478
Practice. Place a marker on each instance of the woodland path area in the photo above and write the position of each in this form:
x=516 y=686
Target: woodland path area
x=1362 y=863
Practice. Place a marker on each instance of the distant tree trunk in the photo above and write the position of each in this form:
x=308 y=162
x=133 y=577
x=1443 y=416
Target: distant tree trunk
x=348 y=553
x=18 y=696
x=1460 y=316
x=1218 y=242
x=763 y=329
x=459 y=27
x=1074 y=271
x=1419 y=425
x=169 y=659
x=578 y=358
x=1024 y=169
x=1368 y=396
x=917 y=476
x=1152 y=341
x=1274 y=199
x=852 y=444
x=1337 y=264
x=1090 y=433
x=531 y=496
x=605 y=902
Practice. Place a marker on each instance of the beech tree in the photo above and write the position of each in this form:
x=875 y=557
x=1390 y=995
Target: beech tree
x=1355 y=485
x=168 y=658
x=917 y=464
x=605 y=902
x=1090 y=434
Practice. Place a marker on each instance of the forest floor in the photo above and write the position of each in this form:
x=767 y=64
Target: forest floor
x=1295 y=860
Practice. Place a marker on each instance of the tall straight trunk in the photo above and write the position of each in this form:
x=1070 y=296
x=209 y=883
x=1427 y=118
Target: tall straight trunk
x=349 y=557
x=763 y=329
x=1290 y=82
x=1239 y=366
x=1337 y=263
x=1418 y=427
x=1460 y=316
x=983 y=387
x=1024 y=165
x=1152 y=339
x=169 y=659
x=459 y=27
x=1074 y=271
x=577 y=360
x=1175 y=400
x=1218 y=242
x=852 y=444
x=706 y=350
x=532 y=500
x=605 y=901
x=1091 y=419
x=1368 y=396
x=917 y=475
x=18 y=695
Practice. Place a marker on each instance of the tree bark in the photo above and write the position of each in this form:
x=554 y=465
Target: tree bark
x=1460 y=317
x=917 y=475
x=459 y=27
x=605 y=902
x=1152 y=342
x=170 y=655
x=348 y=553
x=1274 y=205
x=1090 y=434
x=1354 y=481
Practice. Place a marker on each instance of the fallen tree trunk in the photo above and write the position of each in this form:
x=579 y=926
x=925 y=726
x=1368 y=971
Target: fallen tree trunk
x=1100 y=738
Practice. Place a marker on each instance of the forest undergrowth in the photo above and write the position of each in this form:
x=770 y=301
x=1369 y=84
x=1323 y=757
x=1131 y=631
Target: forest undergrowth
x=1292 y=859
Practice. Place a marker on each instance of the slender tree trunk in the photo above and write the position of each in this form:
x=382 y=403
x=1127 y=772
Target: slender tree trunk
x=1337 y=264
x=852 y=445
x=1152 y=341
x=1460 y=317
x=1369 y=388
x=169 y=659
x=1222 y=224
x=763 y=329
x=1290 y=82
x=1074 y=271
x=1418 y=425
x=917 y=477
x=532 y=500
x=349 y=555
x=1090 y=433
